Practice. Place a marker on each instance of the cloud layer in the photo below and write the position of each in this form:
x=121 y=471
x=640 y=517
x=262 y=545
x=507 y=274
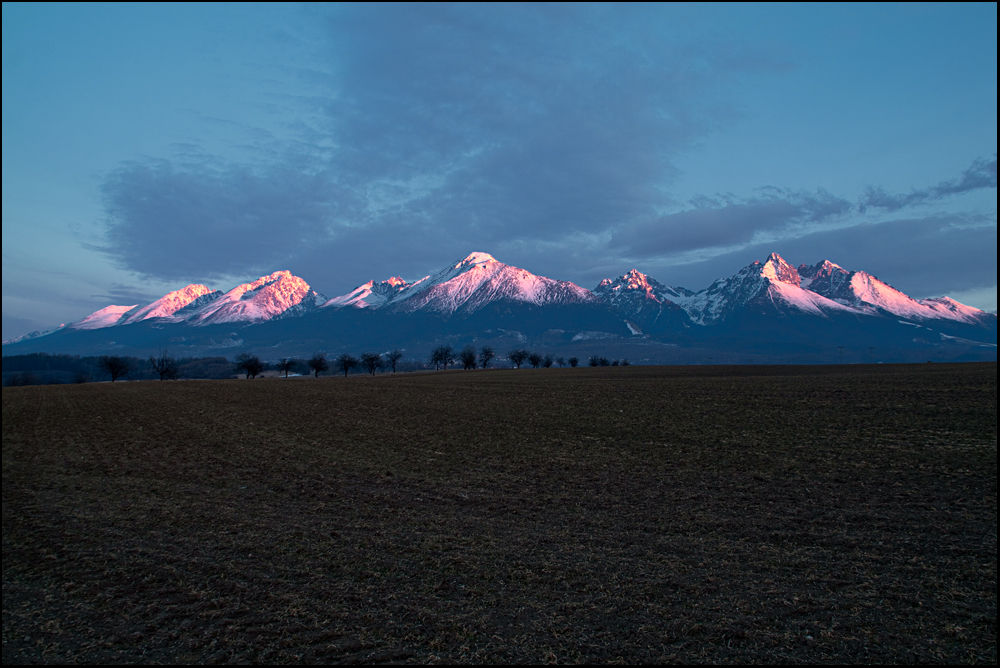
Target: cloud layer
x=545 y=135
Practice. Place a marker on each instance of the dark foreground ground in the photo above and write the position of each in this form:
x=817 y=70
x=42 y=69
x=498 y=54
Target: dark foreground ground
x=642 y=514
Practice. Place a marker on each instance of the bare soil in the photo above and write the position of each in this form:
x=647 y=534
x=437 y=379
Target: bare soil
x=642 y=514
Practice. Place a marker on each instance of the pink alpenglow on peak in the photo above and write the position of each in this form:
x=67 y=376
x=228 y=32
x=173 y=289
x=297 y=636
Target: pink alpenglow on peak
x=635 y=291
x=475 y=258
x=369 y=295
x=106 y=317
x=776 y=269
x=267 y=298
x=168 y=304
x=479 y=279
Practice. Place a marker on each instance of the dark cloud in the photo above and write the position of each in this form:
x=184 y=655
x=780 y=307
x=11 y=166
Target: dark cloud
x=175 y=224
x=981 y=174
x=446 y=128
x=714 y=223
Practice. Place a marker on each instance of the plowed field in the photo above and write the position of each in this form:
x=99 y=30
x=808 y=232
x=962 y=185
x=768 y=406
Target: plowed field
x=640 y=514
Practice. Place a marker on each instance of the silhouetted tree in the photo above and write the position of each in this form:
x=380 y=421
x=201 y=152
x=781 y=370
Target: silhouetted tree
x=114 y=366
x=547 y=362
x=442 y=356
x=486 y=355
x=614 y=363
x=535 y=360
x=286 y=364
x=393 y=358
x=573 y=362
x=561 y=361
x=594 y=360
x=318 y=363
x=165 y=365
x=518 y=356
x=249 y=364
x=468 y=358
x=371 y=362
x=604 y=361
x=625 y=362
x=347 y=362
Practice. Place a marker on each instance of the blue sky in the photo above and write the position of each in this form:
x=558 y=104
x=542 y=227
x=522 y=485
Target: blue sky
x=146 y=147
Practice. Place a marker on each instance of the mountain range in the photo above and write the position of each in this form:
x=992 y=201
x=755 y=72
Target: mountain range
x=769 y=311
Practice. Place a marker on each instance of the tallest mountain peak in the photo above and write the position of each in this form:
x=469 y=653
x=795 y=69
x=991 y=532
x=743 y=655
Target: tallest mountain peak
x=777 y=269
x=476 y=258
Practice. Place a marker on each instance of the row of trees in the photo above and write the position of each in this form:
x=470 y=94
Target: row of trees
x=253 y=366
x=603 y=361
x=44 y=368
x=469 y=357
x=441 y=358
x=40 y=368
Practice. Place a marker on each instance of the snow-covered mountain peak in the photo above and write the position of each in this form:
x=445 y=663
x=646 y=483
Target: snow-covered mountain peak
x=636 y=280
x=819 y=270
x=370 y=295
x=474 y=259
x=168 y=304
x=480 y=279
x=776 y=269
x=105 y=317
x=633 y=280
x=269 y=297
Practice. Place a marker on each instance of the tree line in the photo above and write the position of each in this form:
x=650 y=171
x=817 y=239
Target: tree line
x=47 y=369
x=42 y=368
x=440 y=358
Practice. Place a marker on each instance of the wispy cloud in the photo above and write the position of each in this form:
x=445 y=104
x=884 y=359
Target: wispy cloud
x=981 y=174
x=716 y=222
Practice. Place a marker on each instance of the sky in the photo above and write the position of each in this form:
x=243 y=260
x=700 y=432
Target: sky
x=150 y=146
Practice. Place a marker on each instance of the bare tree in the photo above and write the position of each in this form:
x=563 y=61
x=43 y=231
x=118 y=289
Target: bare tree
x=561 y=361
x=114 y=366
x=442 y=356
x=594 y=360
x=518 y=356
x=573 y=362
x=625 y=362
x=547 y=362
x=286 y=364
x=346 y=362
x=393 y=358
x=249 y=364
x=319 y=364
x=468 y=358
x=371 y=362
x=535 y=359
x=486 y=355
x=164 y=364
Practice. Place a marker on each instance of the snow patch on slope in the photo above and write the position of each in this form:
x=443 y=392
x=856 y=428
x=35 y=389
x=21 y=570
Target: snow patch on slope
x=269 y=297
x=168 y=304
x=634 y=291
x=478 y=280
x=106 y=317
x=369 y=295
